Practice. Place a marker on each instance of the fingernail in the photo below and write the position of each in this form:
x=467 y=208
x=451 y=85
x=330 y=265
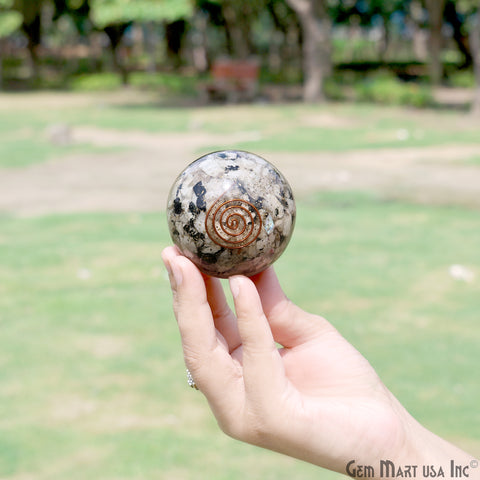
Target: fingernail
x=174 y=273
x=234 y=286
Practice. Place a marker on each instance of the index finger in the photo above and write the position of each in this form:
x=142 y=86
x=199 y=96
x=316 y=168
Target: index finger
x=206 y=354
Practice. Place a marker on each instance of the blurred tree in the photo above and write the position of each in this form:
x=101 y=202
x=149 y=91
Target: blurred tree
x=471 y=10
x=77 y=10
x=10 y=22
x=199 y=25
x=316 y=28
x=31 y=11
x=371 y=13
x=417 y=20
x=208 y=18
x=114 y=17
x=237 y=18
x=435 y=10
x=385 y=10
x=285 y=39
x=456 y=19
x=475 y=45
x=174 y=35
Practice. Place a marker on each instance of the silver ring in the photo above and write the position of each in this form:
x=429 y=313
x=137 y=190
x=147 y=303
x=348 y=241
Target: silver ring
x=190 y=380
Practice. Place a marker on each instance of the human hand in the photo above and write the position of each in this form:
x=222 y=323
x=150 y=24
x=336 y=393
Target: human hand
x=315 y=398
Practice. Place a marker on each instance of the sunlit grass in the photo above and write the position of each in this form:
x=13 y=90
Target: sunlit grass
x=475 y=160
x=92 y=380
x=24 y=134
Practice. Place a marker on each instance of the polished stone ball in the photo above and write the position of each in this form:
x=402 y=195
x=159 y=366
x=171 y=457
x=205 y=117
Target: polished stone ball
x=231 y=212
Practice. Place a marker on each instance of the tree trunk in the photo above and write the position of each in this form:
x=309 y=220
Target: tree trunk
x=199 y=42
x=316 y=28
x=435 y=12
x=149 y=45
x=451 y=16
x=115 y=34
x=414 y=22
x=174 y=36
x=384 y=41
x=237 y=29
x=285 y=47
x=475 y=50
x=1 y=63
x=31 y=26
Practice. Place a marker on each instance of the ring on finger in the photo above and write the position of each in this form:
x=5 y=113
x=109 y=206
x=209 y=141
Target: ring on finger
x=190 y=380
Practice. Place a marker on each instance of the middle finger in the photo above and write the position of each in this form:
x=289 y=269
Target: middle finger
x=224 y=319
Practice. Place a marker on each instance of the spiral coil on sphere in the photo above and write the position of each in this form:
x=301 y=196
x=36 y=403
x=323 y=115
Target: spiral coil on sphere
x=231 y=213
x=233 y=223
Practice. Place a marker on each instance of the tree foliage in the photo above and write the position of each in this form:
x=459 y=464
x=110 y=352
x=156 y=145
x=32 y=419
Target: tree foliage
x=115 y=16
x=366 y=11
x=111 y=12
x=316 y=30
x=288 y=36
x=471 y=9
x=77 y=10
x=10 y=20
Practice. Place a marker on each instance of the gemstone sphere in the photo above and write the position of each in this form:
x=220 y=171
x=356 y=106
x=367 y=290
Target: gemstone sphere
x=231 y=212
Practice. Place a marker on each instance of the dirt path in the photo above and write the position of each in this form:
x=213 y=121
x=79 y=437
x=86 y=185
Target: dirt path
x=138 y=177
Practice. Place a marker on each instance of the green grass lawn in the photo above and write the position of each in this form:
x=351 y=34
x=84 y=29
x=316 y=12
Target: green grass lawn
x=92 y=381
x=474 y=160
x=288 y=128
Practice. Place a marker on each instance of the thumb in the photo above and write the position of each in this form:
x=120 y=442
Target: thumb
x=263 y=371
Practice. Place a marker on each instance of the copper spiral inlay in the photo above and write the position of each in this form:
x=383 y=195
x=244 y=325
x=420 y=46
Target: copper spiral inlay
x=233 y=223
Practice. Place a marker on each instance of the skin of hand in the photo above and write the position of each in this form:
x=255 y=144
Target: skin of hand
x=315 y=397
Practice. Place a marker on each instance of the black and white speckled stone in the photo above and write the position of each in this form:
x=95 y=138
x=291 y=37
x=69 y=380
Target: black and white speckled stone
x=231 y=212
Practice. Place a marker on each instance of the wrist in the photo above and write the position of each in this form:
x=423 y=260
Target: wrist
x=419 y=454
x=430 y=456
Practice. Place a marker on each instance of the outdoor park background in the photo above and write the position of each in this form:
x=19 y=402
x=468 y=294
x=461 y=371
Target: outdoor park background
x=377 y=134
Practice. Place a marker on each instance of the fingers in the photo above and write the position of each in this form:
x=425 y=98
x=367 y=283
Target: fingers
x=263 y=372
x=190 y=304
x=253 y=378
x=223 y=317
x=291 y=326
x=206 y=356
